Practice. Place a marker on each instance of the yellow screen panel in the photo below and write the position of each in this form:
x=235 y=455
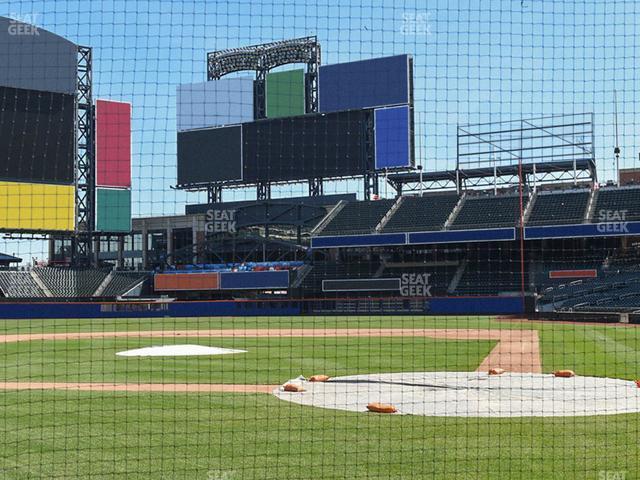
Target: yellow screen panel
x=34 y=206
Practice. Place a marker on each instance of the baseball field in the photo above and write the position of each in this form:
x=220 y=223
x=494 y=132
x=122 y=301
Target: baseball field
x=72 y=408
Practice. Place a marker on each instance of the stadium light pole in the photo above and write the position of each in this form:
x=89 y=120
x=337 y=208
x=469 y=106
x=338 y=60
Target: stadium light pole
x=421 y=184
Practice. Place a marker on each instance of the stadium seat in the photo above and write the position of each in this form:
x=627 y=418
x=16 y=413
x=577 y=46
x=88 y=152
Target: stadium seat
x=559 y=208
x=422 y=213
x=615 y=202
x=19 y=284
x=489 y=211
x=358 y=218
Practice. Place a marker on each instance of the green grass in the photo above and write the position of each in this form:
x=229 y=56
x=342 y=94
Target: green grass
x=267 y=361
x=105 y=435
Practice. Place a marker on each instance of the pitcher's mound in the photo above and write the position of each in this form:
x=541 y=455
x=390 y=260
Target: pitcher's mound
x=472 y=394
x=177 y=351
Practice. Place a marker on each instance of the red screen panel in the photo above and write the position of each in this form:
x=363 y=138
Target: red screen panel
x=186 y=281
x=585 y=273
x=113 y=144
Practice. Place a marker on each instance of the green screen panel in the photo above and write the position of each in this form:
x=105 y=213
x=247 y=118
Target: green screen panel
x=114 y=210
x=285 y=93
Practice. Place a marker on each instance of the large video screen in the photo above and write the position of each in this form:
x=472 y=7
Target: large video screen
x=227 y=101
x=285 y=95
x=113 y=144
x=393 y=138
x=113 y=210
x=364 y=84
x=36 y=136
x=36 y=59
x=36 y=206
x=210 y=155
x=323 y=145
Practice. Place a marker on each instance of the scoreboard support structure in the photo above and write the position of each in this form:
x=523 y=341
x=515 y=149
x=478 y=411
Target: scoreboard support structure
x=82 y=240
x=369 y=112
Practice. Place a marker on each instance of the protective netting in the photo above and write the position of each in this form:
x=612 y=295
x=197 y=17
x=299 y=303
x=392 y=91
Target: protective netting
x=291 y=239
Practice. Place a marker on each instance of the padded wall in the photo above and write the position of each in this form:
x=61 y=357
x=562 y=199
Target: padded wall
x=113 y=144
x=36 y=206
x=285 y=93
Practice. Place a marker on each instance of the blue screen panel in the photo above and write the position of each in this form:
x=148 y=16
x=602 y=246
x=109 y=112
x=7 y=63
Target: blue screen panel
x=392 y=137
x=254 y=280
x=364 y=84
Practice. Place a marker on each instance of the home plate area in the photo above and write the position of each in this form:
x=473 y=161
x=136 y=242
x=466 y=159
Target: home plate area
x=469 y=394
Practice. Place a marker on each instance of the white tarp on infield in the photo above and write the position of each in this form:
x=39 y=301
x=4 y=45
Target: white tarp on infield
x=472 y=394
x=177 y=351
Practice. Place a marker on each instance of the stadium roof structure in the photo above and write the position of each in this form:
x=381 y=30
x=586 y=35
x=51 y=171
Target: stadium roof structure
x=7 y=259
x=584 y=169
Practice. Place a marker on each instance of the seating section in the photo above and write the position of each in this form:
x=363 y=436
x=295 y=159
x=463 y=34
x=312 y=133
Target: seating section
x=121 y=282
x=68 y=282
x=490 y=278
x=426 y=213
x=358 y=218
x=241 y=267
x=613 y=290
x=559 y=208
x=489 y=212
x=19 y=284
x=613 y=202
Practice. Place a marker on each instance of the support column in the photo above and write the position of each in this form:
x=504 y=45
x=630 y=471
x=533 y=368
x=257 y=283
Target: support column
x=169 y=234
x=194 y=239
x=120 y=263
x=145 y=246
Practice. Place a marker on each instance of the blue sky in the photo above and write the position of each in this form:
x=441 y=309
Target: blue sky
x=474 y=62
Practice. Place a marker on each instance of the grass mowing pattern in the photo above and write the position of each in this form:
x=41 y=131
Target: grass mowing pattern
x=267 y=361
x=74 y=434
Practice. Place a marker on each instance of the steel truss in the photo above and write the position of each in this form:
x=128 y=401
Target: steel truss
x=82 y=241
x=261 y=59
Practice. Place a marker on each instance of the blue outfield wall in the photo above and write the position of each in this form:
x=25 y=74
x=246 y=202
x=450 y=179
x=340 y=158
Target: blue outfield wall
x=475 y=306
x=145 y=309
x=245 y=308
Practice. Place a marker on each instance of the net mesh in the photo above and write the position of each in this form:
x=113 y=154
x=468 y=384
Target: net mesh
x=290 y=239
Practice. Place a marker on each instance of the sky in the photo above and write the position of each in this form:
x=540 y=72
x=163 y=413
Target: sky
x=474 y=61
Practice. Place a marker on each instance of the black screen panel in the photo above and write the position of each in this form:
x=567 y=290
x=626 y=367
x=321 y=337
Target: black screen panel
x=210 y=155
x=36 y=136
x=294 y=148
x=361 y=285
